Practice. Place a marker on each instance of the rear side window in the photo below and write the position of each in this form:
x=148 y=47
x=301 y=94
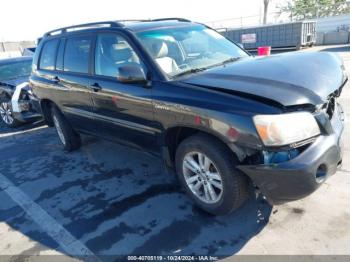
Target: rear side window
x=76 y=55
x=48 y=55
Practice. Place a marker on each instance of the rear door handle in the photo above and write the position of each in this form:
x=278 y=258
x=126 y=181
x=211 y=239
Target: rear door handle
x=96 y=87
x=56 y=79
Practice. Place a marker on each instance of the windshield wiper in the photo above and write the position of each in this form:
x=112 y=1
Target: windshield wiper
x=227 y=61
x=191 y=71
x=200 y=69
x=230 y=60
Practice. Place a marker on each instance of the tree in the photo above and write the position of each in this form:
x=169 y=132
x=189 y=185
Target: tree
x=266 y=7
x=307 y=9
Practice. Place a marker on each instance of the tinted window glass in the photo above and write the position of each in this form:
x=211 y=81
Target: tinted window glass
x=48 y=55
x=59 y=60
x=76 y=55
x=112 y=52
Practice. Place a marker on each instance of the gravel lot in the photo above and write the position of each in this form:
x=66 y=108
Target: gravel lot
x=106 y=199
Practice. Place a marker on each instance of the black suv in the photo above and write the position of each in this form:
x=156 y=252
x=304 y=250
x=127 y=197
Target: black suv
x=226 y=121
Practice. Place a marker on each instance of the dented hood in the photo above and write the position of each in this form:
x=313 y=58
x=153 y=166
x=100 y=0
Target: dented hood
x=288 y=79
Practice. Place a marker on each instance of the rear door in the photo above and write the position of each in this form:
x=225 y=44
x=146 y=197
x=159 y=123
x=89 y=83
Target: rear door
x=73 y=92
x=124 y=111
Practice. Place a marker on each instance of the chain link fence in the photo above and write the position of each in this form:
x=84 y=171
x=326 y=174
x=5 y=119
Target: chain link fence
x=248 y=21
x=316 y=13
x=330 y=28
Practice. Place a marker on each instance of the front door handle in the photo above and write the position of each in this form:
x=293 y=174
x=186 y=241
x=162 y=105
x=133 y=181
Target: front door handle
x=96 y=87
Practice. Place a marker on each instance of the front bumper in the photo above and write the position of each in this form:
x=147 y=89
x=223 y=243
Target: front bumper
x=302 y=175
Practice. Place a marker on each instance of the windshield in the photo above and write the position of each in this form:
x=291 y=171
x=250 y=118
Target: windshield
x=15 y=70
x=188 y=49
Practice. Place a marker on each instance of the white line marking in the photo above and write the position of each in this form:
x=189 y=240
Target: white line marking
x=66 y=240
x=22 y=132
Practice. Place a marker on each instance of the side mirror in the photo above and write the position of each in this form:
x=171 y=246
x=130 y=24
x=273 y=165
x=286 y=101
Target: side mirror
x=131 y=74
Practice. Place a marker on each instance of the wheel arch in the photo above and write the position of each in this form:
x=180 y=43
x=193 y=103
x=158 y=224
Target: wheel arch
x=45 y=105
x=174 y=135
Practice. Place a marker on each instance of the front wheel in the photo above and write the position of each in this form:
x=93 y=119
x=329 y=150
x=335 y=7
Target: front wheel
x=206 y=169
x=68 y=137
x=6 y=114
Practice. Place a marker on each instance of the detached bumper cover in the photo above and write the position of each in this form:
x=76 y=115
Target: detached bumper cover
x=29 y=115
x=25 y=110
x=296 y=178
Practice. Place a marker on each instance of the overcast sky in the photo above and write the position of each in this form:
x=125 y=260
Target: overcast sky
x=29 y=19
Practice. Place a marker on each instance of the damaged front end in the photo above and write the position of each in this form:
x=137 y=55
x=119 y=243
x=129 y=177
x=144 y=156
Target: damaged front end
x=293 y=171
x=20 y=100
x=25 y=107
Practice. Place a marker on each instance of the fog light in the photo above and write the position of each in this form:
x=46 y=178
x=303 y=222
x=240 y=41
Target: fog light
x=321 y=173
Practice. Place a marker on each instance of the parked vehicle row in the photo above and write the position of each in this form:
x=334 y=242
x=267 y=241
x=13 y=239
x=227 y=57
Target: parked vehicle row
x=225 y=121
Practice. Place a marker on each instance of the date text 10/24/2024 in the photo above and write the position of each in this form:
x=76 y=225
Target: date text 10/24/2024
x=172 y=258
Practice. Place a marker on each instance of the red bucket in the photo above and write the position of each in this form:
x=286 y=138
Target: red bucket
x=264 y=50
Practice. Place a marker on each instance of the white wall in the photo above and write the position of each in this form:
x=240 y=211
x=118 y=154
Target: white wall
x=10 y=54
x=14 y=49
x=331 y=24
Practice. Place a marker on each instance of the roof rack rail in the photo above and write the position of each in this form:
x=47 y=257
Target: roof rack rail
x=132 y=20
x=172 y=18
x=82 y=26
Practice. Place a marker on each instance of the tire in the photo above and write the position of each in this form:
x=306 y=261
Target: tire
x=223 y=163
x=6 y=114
x=69 y=138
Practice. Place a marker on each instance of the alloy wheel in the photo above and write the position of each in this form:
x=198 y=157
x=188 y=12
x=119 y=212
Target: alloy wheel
x=202 y=177
x=6 y=113
x=59 y=130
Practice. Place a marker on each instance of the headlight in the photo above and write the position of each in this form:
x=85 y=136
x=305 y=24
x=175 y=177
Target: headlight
x=285 y=129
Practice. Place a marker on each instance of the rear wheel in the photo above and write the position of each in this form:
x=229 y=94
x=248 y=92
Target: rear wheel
x=68 y=137
x=206 y=169
x=6 y=114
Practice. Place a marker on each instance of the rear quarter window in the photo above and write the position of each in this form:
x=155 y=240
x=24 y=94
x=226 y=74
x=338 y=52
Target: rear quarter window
x=48 y=55
x=77 y=54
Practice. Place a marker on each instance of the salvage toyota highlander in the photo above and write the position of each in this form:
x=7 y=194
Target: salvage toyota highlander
x=225 y=120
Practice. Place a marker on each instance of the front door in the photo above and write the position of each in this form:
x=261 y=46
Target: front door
x=124 y=111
